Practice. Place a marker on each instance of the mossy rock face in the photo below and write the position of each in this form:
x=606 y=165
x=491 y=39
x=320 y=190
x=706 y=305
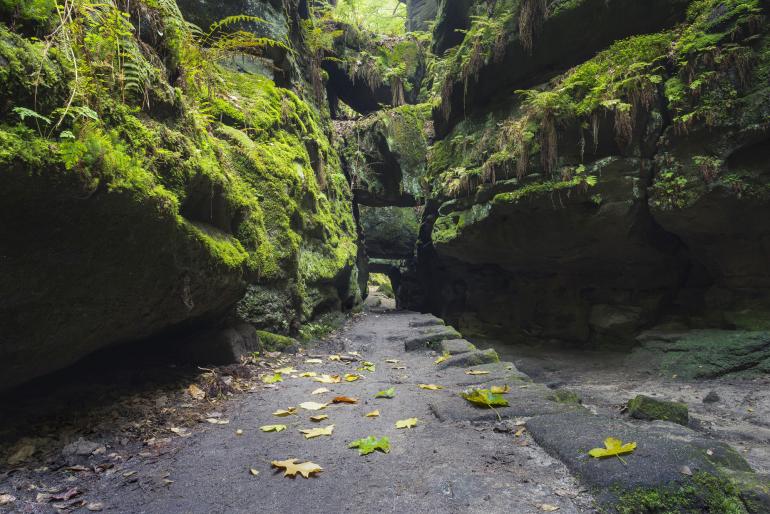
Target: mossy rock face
x=704 y=353
x=152 y=207
x=646 y=408
x=386 y=156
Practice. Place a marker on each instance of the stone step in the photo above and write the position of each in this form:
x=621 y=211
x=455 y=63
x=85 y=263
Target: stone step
x=426 y=339
x=469 y=359
x=454 y=346
x=427 y=322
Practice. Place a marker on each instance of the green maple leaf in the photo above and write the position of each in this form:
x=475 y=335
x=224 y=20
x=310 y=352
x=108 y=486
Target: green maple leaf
x=267 y=379
x=484 y=398
x=387 y=393
x=369 y=444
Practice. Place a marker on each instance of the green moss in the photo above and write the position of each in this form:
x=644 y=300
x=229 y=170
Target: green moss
x=274 y=342
x=565 y=396
x=703 y=493
x=644 y=407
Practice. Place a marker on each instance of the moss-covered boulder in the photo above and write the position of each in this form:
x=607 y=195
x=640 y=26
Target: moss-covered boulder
x=647 y=408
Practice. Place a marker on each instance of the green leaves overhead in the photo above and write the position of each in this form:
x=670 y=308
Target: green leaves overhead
x=370 y=444
x=484 y=398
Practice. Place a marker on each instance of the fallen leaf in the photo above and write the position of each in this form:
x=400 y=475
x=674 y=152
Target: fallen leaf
x=520 y=432
x=484 y=398
x=406 y=423
x=253 y=472
x=335 y=358
x=5 y=499
x=320 y=417
x=95 y=506
x=215 y=421
x=392 y=361
x=373 y=414
x=313 y=361
x=320 y=390
x=239 y=432
x=292 y=467
x=369 y=444
x=67 y=495
x=352 y=377
x=313 y=405
x=547 y=507
x=286 y=370
x=355 y=353
x=272 y=379
x=430 y=387
x=709 y=452
x=315 y=432
x=21 y=452
x=287 y=412
x=196 y=392
x=344 y=399
x=441 y=359
x=308 y=374
x=614 y=447
x=500 y=389
x=272 y=428
x=181 y=432
x=387 y=393
x=327 y=379
x=367 y=366
x=398 y=367
x=476 y=372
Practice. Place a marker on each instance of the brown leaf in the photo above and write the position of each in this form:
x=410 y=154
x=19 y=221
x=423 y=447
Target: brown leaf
x=196 y=392
x=344 y=399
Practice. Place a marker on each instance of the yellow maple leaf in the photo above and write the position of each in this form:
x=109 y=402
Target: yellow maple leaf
x=406 y=423
x=285 y=412
x=313 y=361
x=500 y=389
x=308 y=374
x=312 y=405
x=320 y=390
x=293 y=466
x=320 y=417
x=286 y=370
x=352 y=377
x=430 y=387
x=476 y=372
x=335 y=358
x=373 y=414
x=327 y=379
x=442 y=358
x=315 y=432
x=272 y=428
x=613 y=447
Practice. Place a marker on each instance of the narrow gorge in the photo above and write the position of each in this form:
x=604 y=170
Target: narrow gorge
x=561 y=207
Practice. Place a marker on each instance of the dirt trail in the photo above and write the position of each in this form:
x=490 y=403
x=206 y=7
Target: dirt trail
x=172 y=455
x=434 y=467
